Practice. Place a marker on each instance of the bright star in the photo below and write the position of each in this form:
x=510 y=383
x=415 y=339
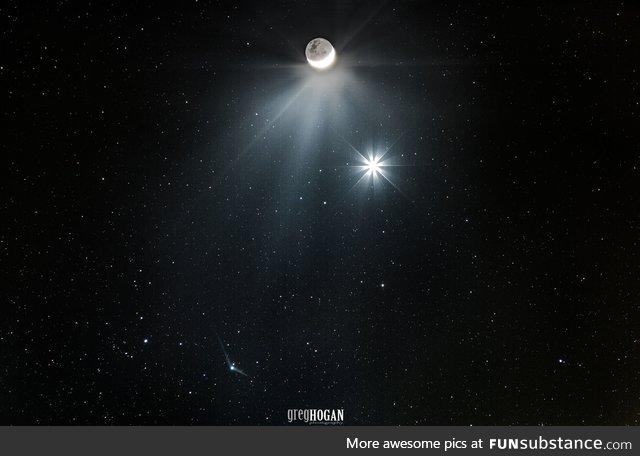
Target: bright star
x=376 y=166
x=373 y=166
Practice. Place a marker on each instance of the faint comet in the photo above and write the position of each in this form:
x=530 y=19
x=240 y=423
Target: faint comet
x=232 y=366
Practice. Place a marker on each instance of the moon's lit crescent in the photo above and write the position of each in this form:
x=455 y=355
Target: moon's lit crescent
x=325 y=62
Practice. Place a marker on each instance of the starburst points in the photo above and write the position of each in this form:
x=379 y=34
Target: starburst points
x=373 y=166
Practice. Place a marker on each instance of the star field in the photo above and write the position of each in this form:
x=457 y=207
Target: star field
x=198 y=229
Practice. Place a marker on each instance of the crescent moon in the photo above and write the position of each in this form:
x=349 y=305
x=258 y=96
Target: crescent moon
x=324 y=63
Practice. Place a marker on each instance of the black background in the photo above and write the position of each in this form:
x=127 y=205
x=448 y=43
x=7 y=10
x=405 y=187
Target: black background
x=141 y=201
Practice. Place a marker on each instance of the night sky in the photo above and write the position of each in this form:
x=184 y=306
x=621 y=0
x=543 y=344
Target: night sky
x=178 y=185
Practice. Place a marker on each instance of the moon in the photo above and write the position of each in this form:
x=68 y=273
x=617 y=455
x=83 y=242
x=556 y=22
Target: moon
x=320 y=53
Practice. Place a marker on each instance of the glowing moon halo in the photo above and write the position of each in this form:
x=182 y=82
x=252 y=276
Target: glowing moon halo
x=320 y=53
